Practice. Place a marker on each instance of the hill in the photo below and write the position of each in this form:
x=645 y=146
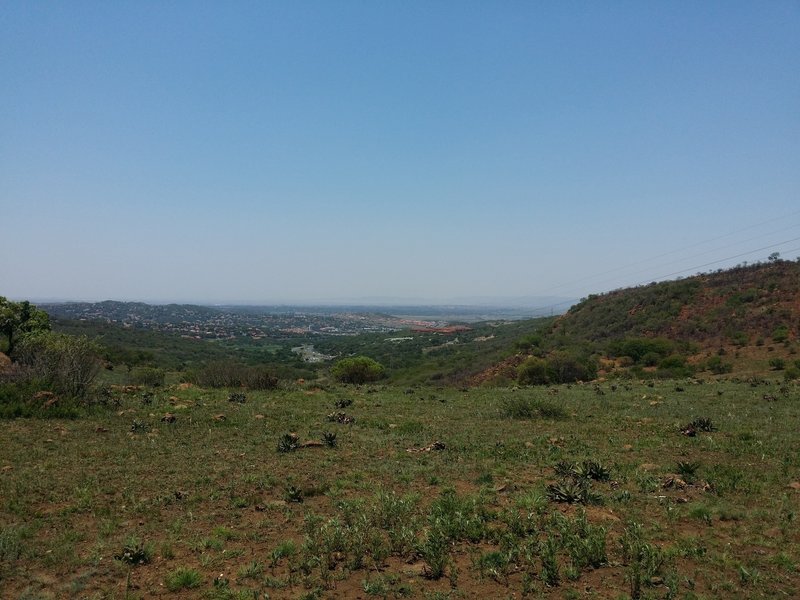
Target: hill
x=744 y=320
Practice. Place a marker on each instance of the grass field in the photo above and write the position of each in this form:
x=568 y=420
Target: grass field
x=568 y=492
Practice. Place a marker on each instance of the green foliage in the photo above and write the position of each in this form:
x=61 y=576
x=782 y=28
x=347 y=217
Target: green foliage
x=357 y=369
x=147 y=376
x=135 y=553
x=674 y=366
x=63 y=363
x=644 y=351
x=780 y=334
x=521 y=407
x=644 y=560
x=558 y=367
x=232 y=374
x=183 y=579
x=289 y=442
x=777 y=364
x=18 y=319
x=717 y=366
x=534 y=371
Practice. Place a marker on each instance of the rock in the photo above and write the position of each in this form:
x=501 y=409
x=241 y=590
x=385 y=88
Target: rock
x=219 y=418
x=312 y=444
x=795 y=485
x=169 y=418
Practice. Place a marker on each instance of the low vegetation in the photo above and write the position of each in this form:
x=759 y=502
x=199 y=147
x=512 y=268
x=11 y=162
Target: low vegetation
x=537 y=492
x=554 y=458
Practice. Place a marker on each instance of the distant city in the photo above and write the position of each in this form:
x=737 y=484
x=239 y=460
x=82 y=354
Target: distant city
x=260 y=322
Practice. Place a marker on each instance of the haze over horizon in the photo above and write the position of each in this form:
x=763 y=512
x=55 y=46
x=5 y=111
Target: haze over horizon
x=301 y=152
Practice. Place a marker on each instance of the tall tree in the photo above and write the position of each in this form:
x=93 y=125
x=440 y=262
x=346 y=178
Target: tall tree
x=19 y=318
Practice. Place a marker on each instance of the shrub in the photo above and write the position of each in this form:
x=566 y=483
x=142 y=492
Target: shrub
x=64 y=363
x=781 y=334
x=717 y=366
x=357 y=369
x=148 y=376
x=654 y=349
x=231 y=374
x=534 y=371
x=569 y=368
x=777 y=364
x=519 y=407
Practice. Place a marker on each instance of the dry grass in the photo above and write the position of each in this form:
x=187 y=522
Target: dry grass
x=369 y=518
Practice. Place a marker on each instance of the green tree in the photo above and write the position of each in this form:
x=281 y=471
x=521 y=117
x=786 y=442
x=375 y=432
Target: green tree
x=534 y=371
x=357 y=369
x=19 y=318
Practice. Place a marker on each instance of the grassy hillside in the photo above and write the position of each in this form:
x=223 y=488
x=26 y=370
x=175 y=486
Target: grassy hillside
x=744 y=320
x=570 y=492
x=737 y=306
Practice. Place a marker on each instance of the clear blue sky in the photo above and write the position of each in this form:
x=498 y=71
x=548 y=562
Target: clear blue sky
x=438 y=150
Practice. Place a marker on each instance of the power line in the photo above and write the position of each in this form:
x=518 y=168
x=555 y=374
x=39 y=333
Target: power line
x=695 y=268
x=671 y=252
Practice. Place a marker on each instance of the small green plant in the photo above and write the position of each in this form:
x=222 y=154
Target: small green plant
x=139 y=426
x=435 y=551
x=289 y=442
x=281 y=551
x=342 y=402
x=183 y=579
x=573 y=491
x=135 y=553
x=548 y=554
x=252 y=570
x=644 y=560
x=375 y=587
x=329 y=439
x=340 y=417
x=688 y=470
x=293 y=494
x=701 y=424
x=592 y=469
x=238 y=397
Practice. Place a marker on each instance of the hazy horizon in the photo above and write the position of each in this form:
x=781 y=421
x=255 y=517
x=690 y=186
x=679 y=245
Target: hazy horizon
x=532 y=302
x=314 y=152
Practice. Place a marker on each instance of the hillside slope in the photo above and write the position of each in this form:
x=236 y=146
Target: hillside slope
x=736 y=306
x=744 y=320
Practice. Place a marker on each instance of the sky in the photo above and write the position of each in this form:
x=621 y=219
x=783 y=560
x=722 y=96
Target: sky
x=436 y=151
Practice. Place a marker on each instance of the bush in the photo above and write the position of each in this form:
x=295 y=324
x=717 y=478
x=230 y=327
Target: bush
x=519 y=407
x=777 y=364
x=791 y=374
x=781 y=334
x=357 y=369
x=654 y=349
x=534 y=371
x=716 y=365
x=149 y=376
x=569 y=368
x=230 y=374
x=63 y=363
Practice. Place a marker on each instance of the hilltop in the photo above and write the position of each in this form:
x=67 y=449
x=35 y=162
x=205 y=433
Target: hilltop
x=743 y=320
